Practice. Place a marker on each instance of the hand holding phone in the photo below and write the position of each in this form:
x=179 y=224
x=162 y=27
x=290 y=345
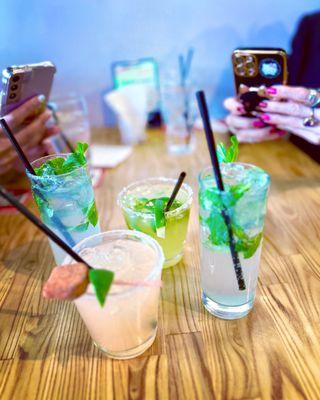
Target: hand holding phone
x=258 y=68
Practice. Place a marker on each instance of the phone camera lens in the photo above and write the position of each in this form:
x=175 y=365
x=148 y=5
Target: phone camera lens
x=16 y=78
x=14 y=87
x=12 y=96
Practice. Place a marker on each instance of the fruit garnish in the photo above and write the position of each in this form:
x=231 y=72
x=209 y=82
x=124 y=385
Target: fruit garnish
x=66 y=282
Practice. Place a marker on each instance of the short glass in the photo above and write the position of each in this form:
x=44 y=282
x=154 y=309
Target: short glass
x=126 y=325
x=66 y=204
x=246 y=206
x=176 y=220
x=179 y=113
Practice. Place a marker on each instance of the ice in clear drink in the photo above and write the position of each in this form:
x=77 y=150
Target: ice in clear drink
x=245 y=197
x=66 y=203
x=127 y=323
x=137 y=202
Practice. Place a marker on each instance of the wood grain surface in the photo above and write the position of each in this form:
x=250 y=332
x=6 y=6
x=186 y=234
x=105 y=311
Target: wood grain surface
x=273 y=353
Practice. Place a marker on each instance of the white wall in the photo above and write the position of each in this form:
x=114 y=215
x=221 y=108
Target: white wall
x=84 y=36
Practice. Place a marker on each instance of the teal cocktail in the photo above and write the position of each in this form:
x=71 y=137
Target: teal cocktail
x=63 y=192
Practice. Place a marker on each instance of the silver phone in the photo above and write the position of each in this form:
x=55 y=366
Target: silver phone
x=21 y=82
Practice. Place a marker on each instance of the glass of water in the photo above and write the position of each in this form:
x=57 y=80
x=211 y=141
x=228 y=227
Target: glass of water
x=179 y=114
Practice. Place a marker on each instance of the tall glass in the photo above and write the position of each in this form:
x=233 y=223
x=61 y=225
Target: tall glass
x=66 y=204
x=179 y=113
x=70 y=112
x=127 y=323
x=143 y=220
x=246 y=188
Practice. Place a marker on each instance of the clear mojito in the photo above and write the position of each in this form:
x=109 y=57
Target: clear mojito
x=143 y=204
x=63 y=191
x=126 y=325
x=245 y=197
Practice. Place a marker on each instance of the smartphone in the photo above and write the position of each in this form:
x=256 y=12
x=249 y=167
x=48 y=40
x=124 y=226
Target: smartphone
x=21 y=82
x=258 y=68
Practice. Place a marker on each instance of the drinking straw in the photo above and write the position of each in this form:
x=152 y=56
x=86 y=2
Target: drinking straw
x=175 y=190
x=202 y=104
x=29 y=167
x=55 y=238
x=40 y=225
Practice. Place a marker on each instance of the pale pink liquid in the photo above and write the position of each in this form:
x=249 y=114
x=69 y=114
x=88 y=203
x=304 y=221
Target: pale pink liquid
x=127 y=323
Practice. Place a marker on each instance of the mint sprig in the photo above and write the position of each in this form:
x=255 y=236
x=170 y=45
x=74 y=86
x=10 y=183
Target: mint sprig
x=101 y=280
x=59 y=165
x=156 y=207
x=230 y=154
x=215 y=201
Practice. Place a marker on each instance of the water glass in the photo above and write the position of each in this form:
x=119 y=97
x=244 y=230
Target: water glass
x=179 y=114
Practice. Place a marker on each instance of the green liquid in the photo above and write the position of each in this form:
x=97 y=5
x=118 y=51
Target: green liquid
x=140 y=216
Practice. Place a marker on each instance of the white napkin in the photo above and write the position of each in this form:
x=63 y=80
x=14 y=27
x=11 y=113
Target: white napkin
x=104 y=156
x=131 y=104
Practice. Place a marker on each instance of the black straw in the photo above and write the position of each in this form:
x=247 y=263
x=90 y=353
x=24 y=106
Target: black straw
x=40 y=225
x=175 y=190
x=202 y=104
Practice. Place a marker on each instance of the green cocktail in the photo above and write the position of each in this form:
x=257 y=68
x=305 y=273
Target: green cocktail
x=143 y=204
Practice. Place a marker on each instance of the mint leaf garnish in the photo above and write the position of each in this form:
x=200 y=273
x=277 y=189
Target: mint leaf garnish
x=160 y=219
x=218 y=230
x=228 y=155
x=80 y=228
x=93 y=214
x=59 y=165
x=247 y=245
x=51 y=167
x=101 y=280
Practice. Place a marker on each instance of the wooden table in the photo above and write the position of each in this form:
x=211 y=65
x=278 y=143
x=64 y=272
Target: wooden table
x=46 y=352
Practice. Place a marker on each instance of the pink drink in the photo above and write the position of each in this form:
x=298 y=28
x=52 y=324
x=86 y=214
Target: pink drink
x=127 y=324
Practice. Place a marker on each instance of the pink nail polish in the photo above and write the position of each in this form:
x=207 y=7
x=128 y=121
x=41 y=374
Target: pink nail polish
x=265 y=117
x=271 y=90
x=258 y=124
x=263 y=104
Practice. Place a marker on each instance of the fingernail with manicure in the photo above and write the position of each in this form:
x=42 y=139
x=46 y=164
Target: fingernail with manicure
x=258 y=124
x=265 y=117
x=41 y=98
x=271 y=90
x=263 y=104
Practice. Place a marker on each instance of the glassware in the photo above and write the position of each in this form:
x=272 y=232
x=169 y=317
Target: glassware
x=127 y=323
x=143 y=219
x=179 y=114
x=72 y=116
x=66 y=204
x=245 y=197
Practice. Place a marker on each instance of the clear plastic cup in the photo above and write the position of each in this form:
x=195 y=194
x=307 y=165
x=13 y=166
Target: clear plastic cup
x=127 y=323
x=176 y=220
